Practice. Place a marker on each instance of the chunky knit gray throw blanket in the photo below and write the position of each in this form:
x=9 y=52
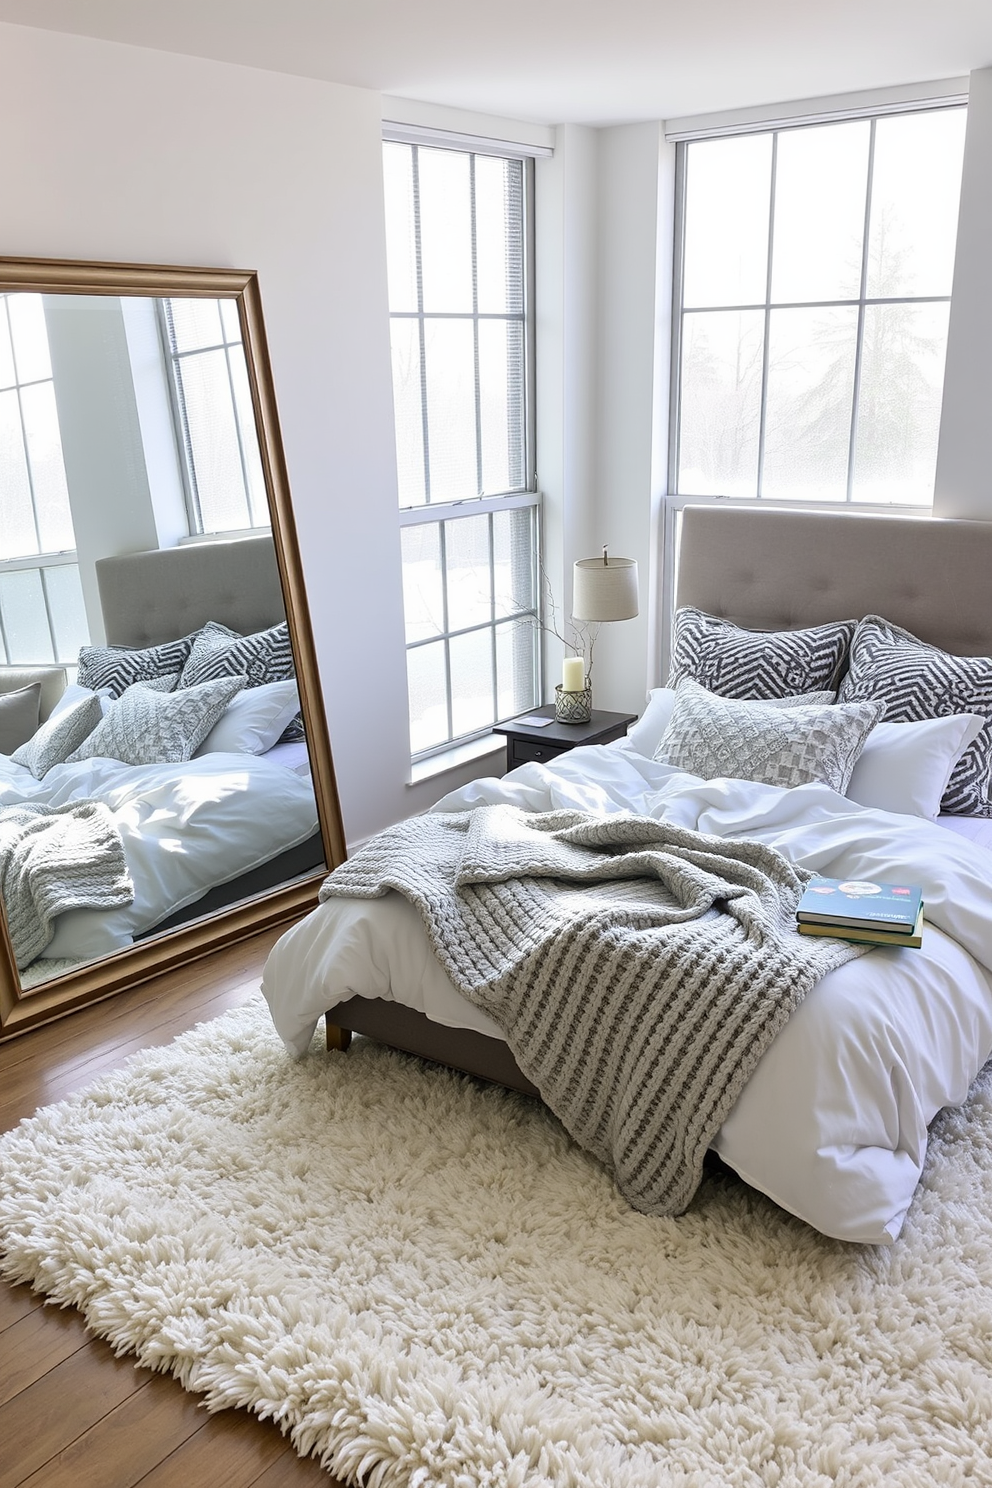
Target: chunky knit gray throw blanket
x=57 y=858
x=637 y=969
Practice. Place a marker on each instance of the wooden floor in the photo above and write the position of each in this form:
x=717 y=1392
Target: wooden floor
x=71 y=1414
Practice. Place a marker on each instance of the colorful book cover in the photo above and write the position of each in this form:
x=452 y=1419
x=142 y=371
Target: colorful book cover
x=861 y=903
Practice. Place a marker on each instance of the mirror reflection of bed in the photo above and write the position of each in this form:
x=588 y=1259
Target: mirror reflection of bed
x=173 y=788
x=238 y=818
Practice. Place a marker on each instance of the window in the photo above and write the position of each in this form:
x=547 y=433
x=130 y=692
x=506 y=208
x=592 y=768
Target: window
x=816 y=267
x=214 y=415
x=41 y=607
x=457 y=237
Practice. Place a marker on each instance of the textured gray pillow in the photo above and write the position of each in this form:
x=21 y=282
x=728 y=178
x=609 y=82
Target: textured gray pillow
x=738 y=663
x=18 y=716
x=714 y=736
x=913 y=681
x=148 y=727
x=55 y=740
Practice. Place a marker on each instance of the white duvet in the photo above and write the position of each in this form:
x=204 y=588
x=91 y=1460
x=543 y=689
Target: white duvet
x=186 y=828
x=833 y=1123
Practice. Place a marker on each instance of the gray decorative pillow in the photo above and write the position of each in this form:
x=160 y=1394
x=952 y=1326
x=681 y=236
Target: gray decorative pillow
x=713 y=736
x=148 y=727
x=218 y=652
x=18 y=716
x=266 y=656
x=55 y=740
x=738 y=663
x=117 y=667
x=914 y=680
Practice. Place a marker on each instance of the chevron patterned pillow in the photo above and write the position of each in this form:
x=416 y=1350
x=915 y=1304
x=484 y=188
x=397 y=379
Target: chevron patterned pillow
x=916 y=680
x=113 y=668
x=266 y=656
x=756 y=664
x=713 y=736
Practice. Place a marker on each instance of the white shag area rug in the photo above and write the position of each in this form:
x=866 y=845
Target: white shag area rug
x=426 y=1283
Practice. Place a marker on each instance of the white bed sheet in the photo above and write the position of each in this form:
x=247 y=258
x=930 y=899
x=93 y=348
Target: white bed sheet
x=186 y=828
x=833 y=1123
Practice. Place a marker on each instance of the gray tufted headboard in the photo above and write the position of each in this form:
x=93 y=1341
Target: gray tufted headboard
x=165 y=593
x=780 y=570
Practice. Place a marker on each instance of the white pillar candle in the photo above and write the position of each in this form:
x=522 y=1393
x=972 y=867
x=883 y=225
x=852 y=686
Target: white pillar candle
x=573 y=674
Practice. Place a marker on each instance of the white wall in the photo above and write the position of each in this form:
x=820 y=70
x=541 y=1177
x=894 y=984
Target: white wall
x=122 y=153
x=963 y=486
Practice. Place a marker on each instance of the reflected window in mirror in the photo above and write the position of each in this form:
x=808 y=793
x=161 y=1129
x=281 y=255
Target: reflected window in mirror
x=42 y=618
x=215 y=420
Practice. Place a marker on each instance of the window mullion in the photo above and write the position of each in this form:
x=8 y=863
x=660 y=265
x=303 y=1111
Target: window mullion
x=421 y=325
x=763 y=403
x=859 y=341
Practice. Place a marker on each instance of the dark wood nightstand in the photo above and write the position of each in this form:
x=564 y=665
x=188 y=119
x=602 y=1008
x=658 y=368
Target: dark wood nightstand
x=542 y=744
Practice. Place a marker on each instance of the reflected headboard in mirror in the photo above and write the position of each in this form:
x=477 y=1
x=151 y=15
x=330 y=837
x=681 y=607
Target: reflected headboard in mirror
x=160 y=558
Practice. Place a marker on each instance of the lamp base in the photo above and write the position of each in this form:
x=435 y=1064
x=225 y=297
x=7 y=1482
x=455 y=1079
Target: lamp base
x=573 y=707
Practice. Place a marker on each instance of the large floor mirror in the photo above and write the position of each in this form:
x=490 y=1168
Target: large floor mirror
x=166 y=783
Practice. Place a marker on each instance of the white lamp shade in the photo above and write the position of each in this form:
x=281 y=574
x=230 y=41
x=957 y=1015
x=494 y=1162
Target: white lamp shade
x=604 y=590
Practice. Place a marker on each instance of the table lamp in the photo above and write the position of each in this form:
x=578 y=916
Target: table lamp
x=603 y=589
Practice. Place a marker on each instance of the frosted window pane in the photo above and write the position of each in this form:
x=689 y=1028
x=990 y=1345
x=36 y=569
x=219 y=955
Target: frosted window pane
x=516 y=667
x=451 y=410
x=408 y=412
x=423 y=588
x=258 y=497
x=899 y=401
x=514 y=546
x=44 y=442
x=22 y=605
x=30 y=337
x=820 y=189
x=401 y=248
x=428 y=705
x=916 y=184
x=445 y=230
x=196 y=324
x=7 y=375
x=467 y=565
x=65 y=601
x=499 y=235
x=721 y=402
x=726 y=221
x=502 y=408
x=810 y=390
x=214 y=441
x=17 y=530
x=230 y=320
x=472 y=704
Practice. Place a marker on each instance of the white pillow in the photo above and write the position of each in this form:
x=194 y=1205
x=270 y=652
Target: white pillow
x=74 y=692
x=645 y=736
x=905 y=767
x=254 y=720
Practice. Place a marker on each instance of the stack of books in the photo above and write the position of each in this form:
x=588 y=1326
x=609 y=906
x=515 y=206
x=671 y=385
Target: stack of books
x=856 y=909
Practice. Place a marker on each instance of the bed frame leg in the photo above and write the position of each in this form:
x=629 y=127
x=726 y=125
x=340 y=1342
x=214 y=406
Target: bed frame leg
x=337 y=1038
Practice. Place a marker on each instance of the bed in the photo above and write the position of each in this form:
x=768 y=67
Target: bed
x=832 y=1123
x=237 y=818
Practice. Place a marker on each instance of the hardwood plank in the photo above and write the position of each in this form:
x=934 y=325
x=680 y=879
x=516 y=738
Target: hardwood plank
x=119 y=1449
x=16 y=1302
x=35 y=1344
x=231 y=1450
x=45 y=1418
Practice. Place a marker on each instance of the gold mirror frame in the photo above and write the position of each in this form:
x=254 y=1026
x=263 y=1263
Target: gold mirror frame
x=20 y=1010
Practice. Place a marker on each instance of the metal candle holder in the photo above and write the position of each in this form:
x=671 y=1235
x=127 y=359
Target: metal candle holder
x=573 y=707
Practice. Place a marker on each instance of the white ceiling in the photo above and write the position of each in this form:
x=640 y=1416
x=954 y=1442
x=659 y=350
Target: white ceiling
x=559 y=61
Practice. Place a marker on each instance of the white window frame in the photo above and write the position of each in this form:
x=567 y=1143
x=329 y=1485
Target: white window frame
x=472 y=505
x=776 y=127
